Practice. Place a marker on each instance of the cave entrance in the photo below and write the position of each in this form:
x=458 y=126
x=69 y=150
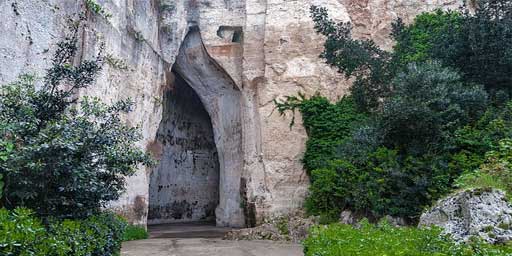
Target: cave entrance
x=185 y=185
x=208 y=173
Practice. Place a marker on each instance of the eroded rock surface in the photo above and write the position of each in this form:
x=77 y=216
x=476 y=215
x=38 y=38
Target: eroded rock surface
x=482 y=213
x=285 y=228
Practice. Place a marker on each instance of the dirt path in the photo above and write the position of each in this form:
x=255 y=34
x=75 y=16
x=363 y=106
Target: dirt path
x=208 y=247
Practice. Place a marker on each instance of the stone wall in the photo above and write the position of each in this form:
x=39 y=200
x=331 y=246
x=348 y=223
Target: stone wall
x=239 y=56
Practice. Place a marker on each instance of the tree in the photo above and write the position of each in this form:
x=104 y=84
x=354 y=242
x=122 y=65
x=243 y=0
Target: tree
x=478 y=45
x=69 y=156
x=371 y=66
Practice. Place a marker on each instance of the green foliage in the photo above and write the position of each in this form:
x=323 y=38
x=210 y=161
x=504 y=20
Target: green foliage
x=396 y=162
x=416 y=42
x=427 y=105
x=6 y=149
x=116 y=62
x=68 y=157
x=325 y=194
x=383 y=239
x=428 y=118
x=327 y=125
x=23 y=234
x=476 y=44
x=96 y=8
x=496 y=172
x=371 y=66
x=474 y=141
x=134 y=232
x=378 y=183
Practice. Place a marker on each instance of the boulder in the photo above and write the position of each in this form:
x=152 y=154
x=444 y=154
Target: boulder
x=483 y=213
x=292 y=228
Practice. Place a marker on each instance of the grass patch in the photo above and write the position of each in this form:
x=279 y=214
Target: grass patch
x=135 y=232
x=384 y=239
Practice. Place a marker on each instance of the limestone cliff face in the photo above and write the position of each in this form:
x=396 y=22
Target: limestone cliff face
x=237 y=55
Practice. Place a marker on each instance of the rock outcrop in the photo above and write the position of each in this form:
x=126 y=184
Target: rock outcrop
x=483 y=213
x=250 y=51
x=292 y=228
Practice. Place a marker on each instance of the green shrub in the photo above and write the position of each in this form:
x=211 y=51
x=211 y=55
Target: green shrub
x=134 y=232
x=21 y=233
x=383 y=239
x=327 y=125
x=396 y=162
x=67 y=157
x=474 y=141
x=496 y=172
x=325 y=194
x=416 y=42
x=421 y=115
x=476 y=44
x=427 y=105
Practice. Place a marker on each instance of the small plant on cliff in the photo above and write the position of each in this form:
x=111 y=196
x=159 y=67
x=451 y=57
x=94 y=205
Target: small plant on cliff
x=96 y=8
x=66 y=157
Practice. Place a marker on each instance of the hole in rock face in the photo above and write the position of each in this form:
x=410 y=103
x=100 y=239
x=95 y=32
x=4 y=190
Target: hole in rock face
x=184 y=186
x=231 y=33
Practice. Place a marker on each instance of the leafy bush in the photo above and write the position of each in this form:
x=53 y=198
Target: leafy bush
x=134 y=232
x=396 y=162
x=383 y=239
x=476 y=44
x=327 y=125
x=23 y=234
x=427 y=105
x=416 y=42
x=378 y=183
x=474 y=141
x=325 y=194
x=424 y=124
x=496 y=172
x=66 y=157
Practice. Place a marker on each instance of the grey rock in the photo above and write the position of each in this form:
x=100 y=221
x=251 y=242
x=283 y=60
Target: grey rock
x=349 y=218
x=483 y=213
x=292 y=228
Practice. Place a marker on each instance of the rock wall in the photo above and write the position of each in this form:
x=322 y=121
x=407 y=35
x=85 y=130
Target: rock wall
x=238 y=55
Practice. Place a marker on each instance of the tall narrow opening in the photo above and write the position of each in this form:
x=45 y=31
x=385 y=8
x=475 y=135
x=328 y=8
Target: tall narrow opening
x=208 y=103
x=184 y=187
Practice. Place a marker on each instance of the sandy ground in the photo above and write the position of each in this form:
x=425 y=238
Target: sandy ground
x=208 y=247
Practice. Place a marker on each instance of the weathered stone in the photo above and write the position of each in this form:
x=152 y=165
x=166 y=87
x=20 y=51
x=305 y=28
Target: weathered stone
x=293 y=228
x=483 y=213
x=238 y=55
x=349 y=218
x=395 y=221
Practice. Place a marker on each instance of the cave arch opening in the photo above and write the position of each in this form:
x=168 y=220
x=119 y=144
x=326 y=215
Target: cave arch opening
x=221 y=144
x=184 y=187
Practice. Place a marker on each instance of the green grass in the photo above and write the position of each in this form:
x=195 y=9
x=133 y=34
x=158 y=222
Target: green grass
x=134 y=232
x=383 y=239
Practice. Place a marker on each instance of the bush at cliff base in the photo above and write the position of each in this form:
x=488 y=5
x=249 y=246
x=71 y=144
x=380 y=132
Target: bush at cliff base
x=21 y=233
x=384 y=239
